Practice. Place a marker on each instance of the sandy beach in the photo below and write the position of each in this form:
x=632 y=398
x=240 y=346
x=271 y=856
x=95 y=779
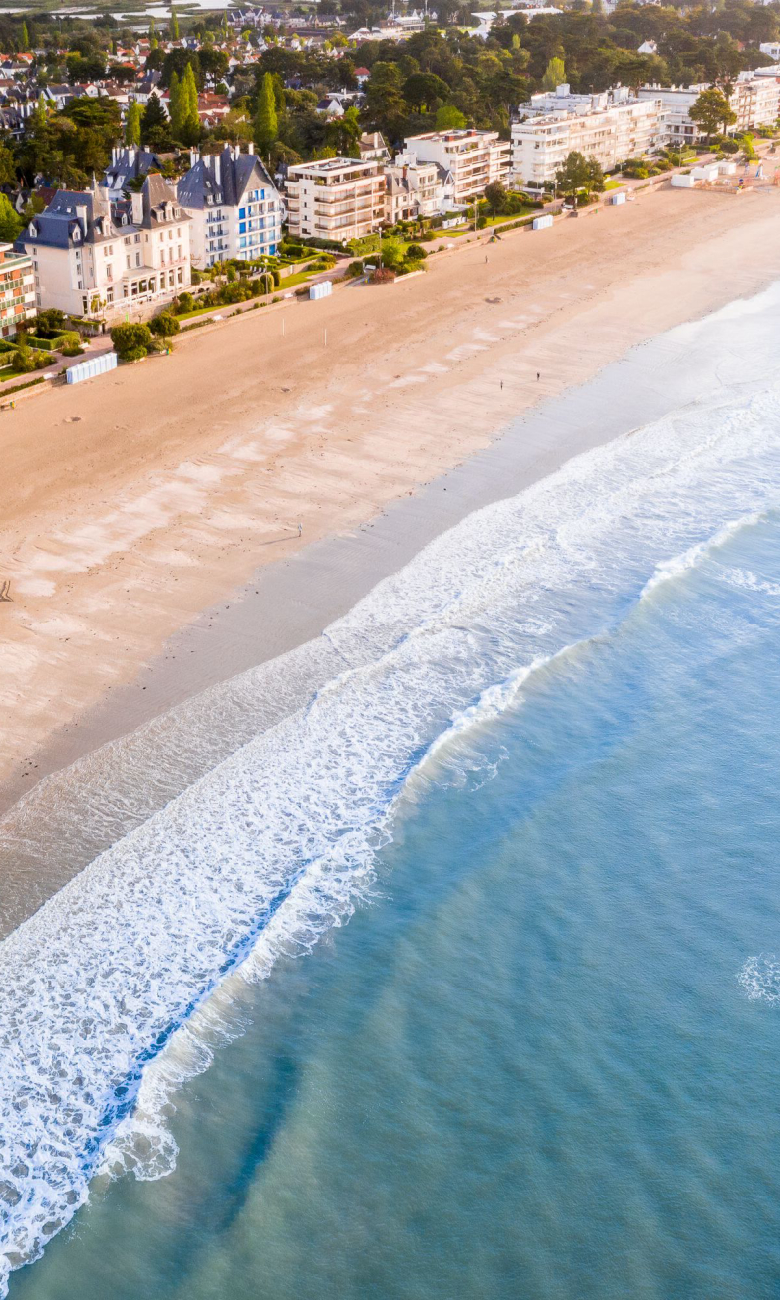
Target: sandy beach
x=136 y=502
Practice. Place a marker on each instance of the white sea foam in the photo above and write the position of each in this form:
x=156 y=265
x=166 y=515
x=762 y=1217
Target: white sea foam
x=669 y=570
x=750 y=582
x=760 y=978
x=125 y=981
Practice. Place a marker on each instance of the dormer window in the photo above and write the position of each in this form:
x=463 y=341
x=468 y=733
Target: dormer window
x=76 y=235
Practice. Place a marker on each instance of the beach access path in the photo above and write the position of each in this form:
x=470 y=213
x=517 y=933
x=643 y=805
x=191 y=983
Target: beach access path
x=133 y=503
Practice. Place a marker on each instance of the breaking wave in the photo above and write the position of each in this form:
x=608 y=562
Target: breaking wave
x=124 y=983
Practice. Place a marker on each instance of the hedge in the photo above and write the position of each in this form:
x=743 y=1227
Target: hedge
x=9 y=392
x=68 y=340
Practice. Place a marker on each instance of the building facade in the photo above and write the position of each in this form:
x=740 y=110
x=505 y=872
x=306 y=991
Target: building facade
x=472 y=158
x=610 y=127
x=234 y=206
x=17 y=290
x=91 y=257
x=755 y=100
x=416 y=189
x=336 y=198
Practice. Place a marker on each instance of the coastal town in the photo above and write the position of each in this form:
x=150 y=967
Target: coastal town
x=182 y=170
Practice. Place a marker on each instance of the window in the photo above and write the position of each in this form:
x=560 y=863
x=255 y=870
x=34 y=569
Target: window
x=241 y=213
x=137 y=239
x=180 y=276
x=179 y=252
x=242 y=227
x=109 y=272
x=109 y=295
x=138 y=259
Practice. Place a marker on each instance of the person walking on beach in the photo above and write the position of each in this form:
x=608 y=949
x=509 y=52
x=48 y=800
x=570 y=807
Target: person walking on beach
x=300 y=529
x=501 y=384
x=538 y=375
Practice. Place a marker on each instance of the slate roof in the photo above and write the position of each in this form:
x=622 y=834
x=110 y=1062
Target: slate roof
x=236 y=175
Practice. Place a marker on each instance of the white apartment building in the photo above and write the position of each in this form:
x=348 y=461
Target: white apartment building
x=610 y=127
x=234 y=206
x=336 y=198
x=755 y=100
x=472 y=158
x=94 y=258
x=17 y=290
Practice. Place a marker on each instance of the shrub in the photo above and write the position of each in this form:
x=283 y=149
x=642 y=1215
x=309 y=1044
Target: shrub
x=49 y=323
x=131 y=342
x=277 y=278
x=74 y=351
x=165 y=325
x=382 y=275
x=415 y=253
x=184 y=302
x=26 y=359
x=354 y=270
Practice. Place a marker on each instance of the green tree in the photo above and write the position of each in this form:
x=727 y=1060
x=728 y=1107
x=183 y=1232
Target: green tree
x=154 y=123
x=424 y=89
x=7 y=167
x=10 y=221
x=174 y=25
x=344 y=133
x=449 y=118
x=712 y=112
x=579 y=173
x=24 y=42
x=131 y=342
x=385 y=107
x=133 y=125
x=495 y=194
x=174 y=106
x=266 y=120
x=165 y=325
x=190 y=122
x=554 y=75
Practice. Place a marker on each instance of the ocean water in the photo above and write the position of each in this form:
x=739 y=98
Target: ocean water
x=536 y=771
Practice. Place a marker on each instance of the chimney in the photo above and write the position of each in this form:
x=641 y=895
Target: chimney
x=250 y=147
x=81 y=213
x=194 y=156
x=137 y=208
x=217 y=160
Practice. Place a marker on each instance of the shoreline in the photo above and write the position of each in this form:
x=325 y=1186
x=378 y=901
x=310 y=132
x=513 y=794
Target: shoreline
x=266 y=611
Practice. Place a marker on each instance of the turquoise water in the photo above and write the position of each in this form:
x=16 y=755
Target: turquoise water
x=529 y=1067
x=537 y=774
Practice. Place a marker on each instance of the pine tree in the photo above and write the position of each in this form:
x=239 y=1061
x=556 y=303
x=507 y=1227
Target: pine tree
x=25 y=42
x=174 y=106
x=133 y=125
x=174 y=25
x=266 y=121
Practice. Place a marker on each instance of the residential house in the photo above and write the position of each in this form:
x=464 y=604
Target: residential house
x=234 y=206
x=93 y=257
x=127 y=165
x=416 y=189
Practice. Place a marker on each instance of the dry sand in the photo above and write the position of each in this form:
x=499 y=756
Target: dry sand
x=132 y=503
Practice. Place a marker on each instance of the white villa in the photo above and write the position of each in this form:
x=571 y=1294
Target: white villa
x=92 y=257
